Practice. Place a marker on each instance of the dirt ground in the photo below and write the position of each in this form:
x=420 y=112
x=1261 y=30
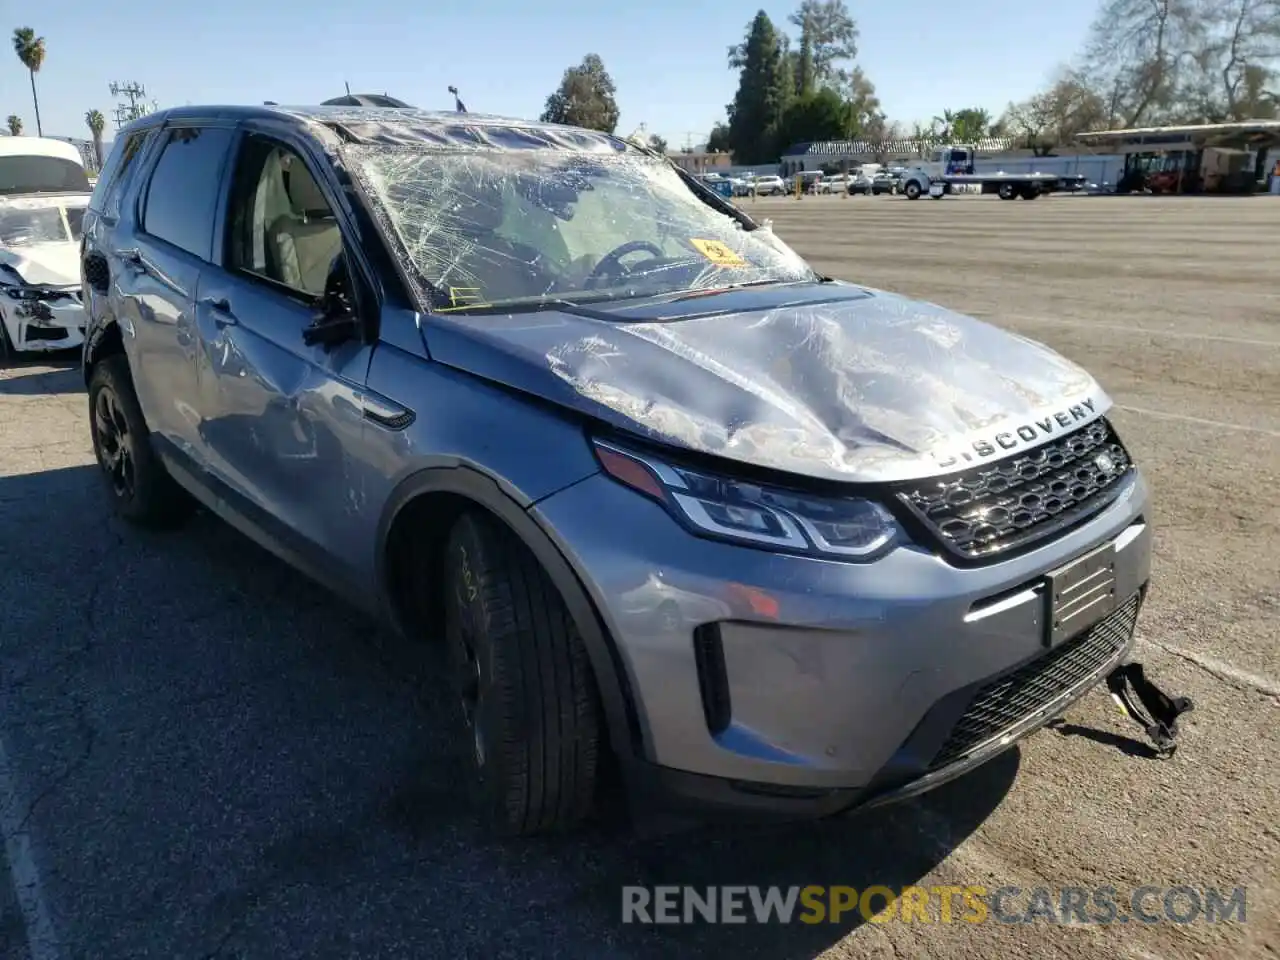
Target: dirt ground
x=202 y=754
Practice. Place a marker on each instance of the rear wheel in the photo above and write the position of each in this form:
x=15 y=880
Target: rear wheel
x=528 y=699
x=1007 y=191
x=912 y=190
x=1031 y=191
x=140 y=487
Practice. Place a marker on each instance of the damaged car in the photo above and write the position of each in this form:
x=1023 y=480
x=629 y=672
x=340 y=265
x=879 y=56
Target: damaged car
x=678 y=508
x=44 y=192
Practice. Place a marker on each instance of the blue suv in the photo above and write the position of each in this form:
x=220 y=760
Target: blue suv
x=776 y=544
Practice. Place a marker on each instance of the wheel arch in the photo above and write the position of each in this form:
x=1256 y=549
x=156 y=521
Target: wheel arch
x=104 y=340
x=426 y=503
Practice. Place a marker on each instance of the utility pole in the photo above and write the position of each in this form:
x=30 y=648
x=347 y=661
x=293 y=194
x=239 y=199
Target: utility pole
x=133 y=105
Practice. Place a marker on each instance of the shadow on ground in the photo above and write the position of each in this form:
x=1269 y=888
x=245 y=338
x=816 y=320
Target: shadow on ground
x=44 y=376
x=227 y=762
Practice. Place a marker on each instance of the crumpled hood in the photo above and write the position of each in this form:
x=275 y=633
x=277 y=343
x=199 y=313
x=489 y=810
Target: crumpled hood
x=45 y=264
x=829 y=381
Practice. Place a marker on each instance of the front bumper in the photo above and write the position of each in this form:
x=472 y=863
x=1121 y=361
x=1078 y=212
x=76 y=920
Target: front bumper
x=828 y=684
x=40 y=325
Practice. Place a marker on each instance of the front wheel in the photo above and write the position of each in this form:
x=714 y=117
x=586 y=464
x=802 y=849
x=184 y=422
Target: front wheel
x=140 y=487
x=7 y=351
x=528 y=699
x=1007 y=191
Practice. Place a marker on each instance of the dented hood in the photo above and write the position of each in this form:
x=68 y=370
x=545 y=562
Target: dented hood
x=55 y=264
x=829 y=380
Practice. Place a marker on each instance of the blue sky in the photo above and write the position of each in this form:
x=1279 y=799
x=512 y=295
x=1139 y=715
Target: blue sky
x=667 y=57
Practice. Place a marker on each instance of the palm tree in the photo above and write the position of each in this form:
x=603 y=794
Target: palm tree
x=942 y=125
x=96 y=122
x=15 y=124
x=30 y=50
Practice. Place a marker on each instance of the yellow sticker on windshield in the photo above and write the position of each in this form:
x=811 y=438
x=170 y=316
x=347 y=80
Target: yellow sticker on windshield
x=464 y=296
x=718 y=253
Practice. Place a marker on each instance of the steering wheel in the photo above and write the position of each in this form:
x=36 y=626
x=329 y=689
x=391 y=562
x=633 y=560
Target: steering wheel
x=610 y=264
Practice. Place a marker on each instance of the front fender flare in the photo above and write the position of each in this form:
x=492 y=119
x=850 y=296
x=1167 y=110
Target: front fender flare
x=472 y=484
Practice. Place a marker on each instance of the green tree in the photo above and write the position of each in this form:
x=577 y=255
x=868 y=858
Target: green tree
x=823 y=115
x=970 y=124
x=15 y=125
x=803 y=69
x=586 y=97
x=658 y=143
x=761 y=99
x=96 y=123
x=718 y=139
x=31 y=50
x=828 y=39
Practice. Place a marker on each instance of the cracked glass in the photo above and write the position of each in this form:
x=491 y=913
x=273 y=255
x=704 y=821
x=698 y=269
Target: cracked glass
x=488 y=227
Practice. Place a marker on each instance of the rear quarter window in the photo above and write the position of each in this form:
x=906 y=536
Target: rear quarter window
x=116 y=173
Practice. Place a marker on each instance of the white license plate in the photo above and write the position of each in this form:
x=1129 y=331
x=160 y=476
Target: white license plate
x=935 y=189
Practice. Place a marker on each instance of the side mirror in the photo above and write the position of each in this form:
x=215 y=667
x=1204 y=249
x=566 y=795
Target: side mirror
x=336 y=319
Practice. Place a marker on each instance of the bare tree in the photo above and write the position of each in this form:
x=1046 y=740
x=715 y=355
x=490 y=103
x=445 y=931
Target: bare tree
x=1055 y=116
x=1139 y=52
x=1246 y=49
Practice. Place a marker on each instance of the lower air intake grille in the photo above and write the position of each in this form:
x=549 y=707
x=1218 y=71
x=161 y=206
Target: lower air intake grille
x=1005 y=702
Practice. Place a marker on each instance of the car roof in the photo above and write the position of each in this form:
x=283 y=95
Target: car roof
x=40 y=147
x=400 y=125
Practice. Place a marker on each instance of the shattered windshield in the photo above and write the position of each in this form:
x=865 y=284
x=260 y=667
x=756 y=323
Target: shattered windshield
x=43 y=225
x=491 y=227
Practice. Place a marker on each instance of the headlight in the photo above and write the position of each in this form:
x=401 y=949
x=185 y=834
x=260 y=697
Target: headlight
x=753 y=514
x=23 y=293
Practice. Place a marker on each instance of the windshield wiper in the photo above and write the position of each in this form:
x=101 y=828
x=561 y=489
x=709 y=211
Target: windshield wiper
x=712 y=291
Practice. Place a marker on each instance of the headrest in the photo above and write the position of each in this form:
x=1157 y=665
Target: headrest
x=304 y=192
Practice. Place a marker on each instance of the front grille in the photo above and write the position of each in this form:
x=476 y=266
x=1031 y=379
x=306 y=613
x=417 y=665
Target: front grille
x=1005 y=702
x=993 y=508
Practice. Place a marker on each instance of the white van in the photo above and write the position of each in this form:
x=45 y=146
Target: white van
x=44 y=191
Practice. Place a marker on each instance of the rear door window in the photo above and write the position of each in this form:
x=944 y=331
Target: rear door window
x=182 y=197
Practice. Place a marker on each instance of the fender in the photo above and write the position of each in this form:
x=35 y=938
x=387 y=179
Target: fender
x=468 y=482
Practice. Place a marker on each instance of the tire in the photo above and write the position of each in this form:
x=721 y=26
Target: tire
x=1007 y=192
x=8 y=354
x=912 y=190
x=529 y=706
x=1031 y=192
x=141 y=489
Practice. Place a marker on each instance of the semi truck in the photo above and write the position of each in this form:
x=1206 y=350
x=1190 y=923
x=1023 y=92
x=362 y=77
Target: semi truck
x=952 y=166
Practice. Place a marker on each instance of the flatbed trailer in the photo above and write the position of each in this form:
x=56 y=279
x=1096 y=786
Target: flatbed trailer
x=953 y=165
x=1007 y=186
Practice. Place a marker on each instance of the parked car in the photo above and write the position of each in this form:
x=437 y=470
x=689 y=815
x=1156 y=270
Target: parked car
x=860 y=184
x=810 y=181
x=886 y=181
x=513 y=396
x=836 y=183
x=769 y=185
x=43 y=195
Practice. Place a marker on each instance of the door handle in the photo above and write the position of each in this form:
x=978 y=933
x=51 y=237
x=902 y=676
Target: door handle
x=133 y=260
x=220 y=307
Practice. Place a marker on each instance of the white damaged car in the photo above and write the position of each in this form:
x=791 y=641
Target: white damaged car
x=43 y=196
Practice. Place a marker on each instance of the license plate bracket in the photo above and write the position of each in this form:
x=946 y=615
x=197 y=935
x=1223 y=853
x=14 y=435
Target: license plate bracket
x=1080 y=593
